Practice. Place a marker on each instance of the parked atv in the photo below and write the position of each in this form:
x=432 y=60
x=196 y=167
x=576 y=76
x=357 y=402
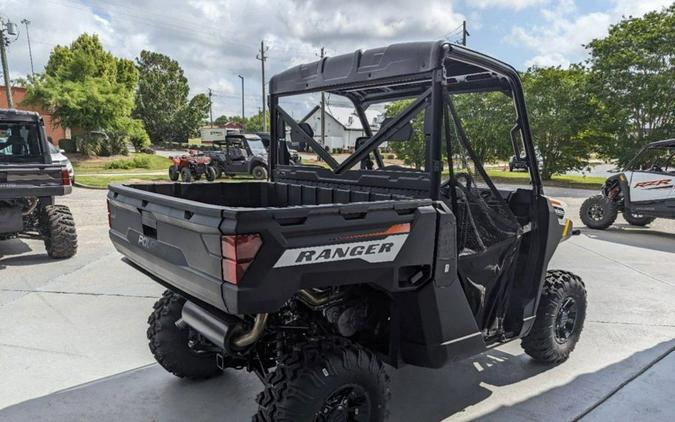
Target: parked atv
x=240 y=154
x=29 y=182
x=643 y=191
x=315 y=279
x=191 y=167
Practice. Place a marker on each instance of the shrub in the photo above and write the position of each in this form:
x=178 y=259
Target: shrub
x=138 y=162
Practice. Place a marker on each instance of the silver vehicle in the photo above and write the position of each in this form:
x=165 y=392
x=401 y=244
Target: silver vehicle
x=59 y=158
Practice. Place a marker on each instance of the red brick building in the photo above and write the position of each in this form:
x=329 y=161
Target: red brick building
x=54 y=131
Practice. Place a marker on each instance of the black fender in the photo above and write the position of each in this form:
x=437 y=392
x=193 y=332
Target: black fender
x=257 y=162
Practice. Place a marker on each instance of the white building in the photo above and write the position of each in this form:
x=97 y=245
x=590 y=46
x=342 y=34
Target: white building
x=343 y=125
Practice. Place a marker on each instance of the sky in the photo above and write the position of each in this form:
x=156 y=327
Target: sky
x=217 y=40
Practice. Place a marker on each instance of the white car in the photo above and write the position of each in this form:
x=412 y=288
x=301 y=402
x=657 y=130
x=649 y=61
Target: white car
x=59 y=158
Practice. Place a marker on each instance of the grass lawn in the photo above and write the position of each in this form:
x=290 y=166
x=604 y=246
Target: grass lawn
x=89 y=165
x=102 y=182
x=569 y=181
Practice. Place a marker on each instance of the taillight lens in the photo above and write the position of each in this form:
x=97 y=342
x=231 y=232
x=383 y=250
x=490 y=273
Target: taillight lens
x=65 y=177
x=239 y=250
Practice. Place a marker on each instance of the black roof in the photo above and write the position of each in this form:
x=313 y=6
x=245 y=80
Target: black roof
x=18 y=115
x=387 y=72
x=664 y=143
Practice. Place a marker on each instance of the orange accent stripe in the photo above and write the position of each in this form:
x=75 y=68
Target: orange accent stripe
x=395 y=229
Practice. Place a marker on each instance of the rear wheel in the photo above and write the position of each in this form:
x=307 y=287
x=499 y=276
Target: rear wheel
x=186 y=175
x=210 y=173
x=636 y=219
x=259 y=172
x=560 y=318
x=58 y=228
x=328 y=380
x=171 y=345
x=174 y=174
x=598 y=212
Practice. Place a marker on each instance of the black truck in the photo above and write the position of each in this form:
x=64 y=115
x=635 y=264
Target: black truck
x=315 y=279
x=29 y=181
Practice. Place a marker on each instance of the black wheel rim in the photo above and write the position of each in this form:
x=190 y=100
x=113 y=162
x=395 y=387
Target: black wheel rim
x=596 y=212
x=566 y=320
x=349 y=403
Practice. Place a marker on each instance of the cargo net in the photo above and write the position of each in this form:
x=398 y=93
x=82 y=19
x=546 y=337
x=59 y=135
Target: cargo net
x=482 y=221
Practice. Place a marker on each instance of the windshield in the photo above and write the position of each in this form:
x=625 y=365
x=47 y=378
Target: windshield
x=19 y=141
x=257 y=147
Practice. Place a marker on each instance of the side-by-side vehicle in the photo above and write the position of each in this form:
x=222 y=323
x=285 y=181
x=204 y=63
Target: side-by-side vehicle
x=316 y=278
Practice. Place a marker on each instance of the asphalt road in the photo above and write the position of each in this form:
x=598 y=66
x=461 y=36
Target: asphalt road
x=73 y=346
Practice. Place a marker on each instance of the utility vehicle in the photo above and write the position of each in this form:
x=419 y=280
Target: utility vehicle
x=643 y=191
x=240 y=154
x=29 y=181
x=191 y=167
x=315 y=279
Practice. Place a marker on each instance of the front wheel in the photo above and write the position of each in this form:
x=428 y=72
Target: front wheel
x=171 y=345
x=259 y=172
x=598 y=212
x=58 y=228
x=186 y=175
x=328 y=380
x=174 y=174
x=636 y=219
x=559 y=320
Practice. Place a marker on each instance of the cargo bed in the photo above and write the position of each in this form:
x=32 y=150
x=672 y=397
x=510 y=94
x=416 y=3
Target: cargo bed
x=175 y=232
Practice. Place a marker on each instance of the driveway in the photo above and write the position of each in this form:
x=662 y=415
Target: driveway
x=73 y=346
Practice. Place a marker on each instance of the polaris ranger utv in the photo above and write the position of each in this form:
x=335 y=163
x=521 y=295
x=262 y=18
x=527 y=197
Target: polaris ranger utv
x=28 y=184
x=316 y=278
x=643 y=191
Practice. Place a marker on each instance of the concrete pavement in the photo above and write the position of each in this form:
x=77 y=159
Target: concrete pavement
x=73 y=347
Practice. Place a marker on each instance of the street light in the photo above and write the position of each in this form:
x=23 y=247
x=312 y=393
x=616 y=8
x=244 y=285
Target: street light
x=242 y=96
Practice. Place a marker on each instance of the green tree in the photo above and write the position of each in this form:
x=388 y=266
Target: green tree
x=256 y=123
x=162 y=99
x=411 y=151
x=487 y=119
x=86 y=87
x=562 y=114
x=633 y=74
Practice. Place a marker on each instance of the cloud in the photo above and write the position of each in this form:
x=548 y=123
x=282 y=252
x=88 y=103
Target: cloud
x=558 y=40
x=216 y=40
x=506 y=4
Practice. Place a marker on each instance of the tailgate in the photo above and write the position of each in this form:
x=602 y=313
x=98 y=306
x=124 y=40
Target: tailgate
x=174 y=239
x=32 y=180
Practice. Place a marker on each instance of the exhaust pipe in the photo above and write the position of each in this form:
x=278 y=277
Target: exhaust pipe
x=218 y=330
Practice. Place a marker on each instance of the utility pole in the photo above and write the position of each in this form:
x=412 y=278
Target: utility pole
x=26 y=22
x=262 y=57
x=323 y=109
x=6 y=28
x=465 y=33
x=210 y=107
x=243 y=116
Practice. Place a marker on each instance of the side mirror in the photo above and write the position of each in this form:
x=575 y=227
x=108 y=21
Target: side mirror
x=62 y=151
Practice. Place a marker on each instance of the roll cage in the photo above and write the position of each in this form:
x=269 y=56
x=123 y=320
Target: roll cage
x=427 y=72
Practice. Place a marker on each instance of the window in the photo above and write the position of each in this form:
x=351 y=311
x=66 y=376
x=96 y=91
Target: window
x=19 y=141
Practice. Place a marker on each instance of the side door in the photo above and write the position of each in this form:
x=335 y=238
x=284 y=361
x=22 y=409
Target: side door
x=652 y=178
x=236 y=158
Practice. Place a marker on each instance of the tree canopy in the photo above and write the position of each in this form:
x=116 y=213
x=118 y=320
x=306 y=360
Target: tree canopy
x=633 y=75
x=85 y=86
x=162 y=99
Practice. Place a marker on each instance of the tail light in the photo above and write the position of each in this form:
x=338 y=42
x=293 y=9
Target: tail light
x=65 y=177
x=239 y=251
